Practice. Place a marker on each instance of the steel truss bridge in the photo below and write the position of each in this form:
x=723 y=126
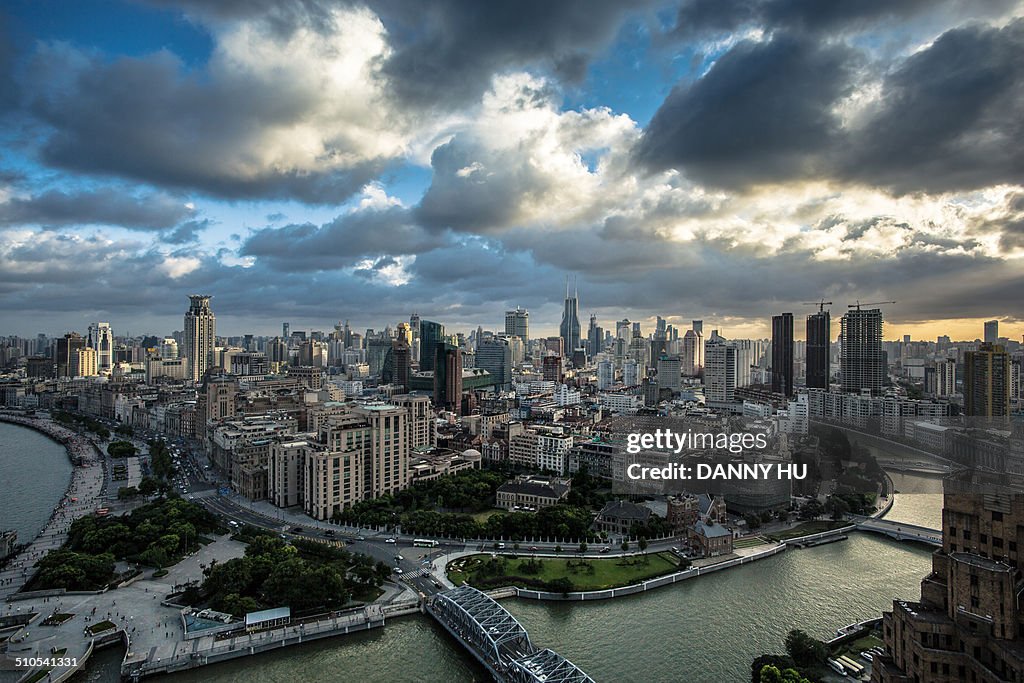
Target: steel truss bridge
x=498 y=640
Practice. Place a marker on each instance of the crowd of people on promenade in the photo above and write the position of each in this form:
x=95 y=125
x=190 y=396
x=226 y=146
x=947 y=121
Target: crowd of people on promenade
x=81 y=498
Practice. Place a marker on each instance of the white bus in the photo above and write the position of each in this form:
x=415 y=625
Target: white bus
x=424 y=543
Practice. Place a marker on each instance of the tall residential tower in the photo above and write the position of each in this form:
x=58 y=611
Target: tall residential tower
x=200 y=335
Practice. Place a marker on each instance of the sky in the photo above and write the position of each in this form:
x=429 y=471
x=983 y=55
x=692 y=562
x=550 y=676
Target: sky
x=315 y=161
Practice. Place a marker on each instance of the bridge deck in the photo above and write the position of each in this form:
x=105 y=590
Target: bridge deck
x=498 y=640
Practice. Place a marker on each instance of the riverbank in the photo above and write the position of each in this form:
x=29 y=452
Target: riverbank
x=701 y=566
x=81 y=498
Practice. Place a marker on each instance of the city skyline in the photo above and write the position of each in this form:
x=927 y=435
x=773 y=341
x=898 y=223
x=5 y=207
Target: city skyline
x=294 y=162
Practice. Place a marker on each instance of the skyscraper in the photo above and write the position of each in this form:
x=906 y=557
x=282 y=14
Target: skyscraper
x=992 y=332
x=517 y=323
x=819 y=334
x=693 y=353
x=398 y=362
x=101 y=340
x=431 y=337
x=861 y=360
x=200 y=335
x=719 y=373
x=65 y=350
x=570 y=327
x=494 y=354
x=595 y=337
x=83 y=363
x=448 y=377
x=782 y=354
x=987 y=382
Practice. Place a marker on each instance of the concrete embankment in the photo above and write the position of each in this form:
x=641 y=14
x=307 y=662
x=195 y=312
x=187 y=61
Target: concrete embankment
x=190 y=654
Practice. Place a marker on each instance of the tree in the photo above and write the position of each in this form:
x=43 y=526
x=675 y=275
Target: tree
x=805 y=650
x=771 y=674
x=838 y=507
x=642 y=544
x=812 y=509
x=780 y=662
x=126 y=492
x=625 y=546
x=121 y=449
x=583 y=548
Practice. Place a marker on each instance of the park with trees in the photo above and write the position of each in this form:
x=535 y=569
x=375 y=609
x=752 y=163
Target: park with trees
x=305 y=575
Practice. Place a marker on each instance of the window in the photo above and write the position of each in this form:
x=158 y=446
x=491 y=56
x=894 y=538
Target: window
x=997 y=516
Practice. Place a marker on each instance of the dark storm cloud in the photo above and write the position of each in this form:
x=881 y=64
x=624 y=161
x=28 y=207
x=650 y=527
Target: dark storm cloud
x=186 y=232
x=951 y=116
x=947 y=118
x=341 y=243
x=697 y=18
x=762 y=113
x=479 y=199
x=145 y=119
x=1007 y=222
x=447 y=51
x=105 y=206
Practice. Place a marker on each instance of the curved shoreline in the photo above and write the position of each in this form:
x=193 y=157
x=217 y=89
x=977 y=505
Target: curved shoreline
x=80 y=496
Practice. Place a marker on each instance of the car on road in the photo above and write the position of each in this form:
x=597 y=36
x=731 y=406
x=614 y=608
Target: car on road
x=360 y=538
x=533 y=547
x=297 y=530
x=329 y=532
x=398 y=558
x=389 y=540
x=398 y=570
x=605 y=549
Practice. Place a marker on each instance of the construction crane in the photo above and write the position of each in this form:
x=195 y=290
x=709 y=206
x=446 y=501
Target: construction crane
x=872 y=303
x=821 y=304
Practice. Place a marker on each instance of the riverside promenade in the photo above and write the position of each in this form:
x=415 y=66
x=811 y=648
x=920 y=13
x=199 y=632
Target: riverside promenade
x=81 y=498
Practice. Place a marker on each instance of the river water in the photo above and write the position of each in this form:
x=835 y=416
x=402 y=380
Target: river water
x=707 y=629
x=34 y=474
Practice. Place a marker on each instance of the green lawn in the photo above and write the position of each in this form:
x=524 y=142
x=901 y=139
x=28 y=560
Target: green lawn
x=595 y=574
x=808 y=529
x=482 y=517
x=853 y=649
x=57 y=619
x=101 y=626
x=749 y=542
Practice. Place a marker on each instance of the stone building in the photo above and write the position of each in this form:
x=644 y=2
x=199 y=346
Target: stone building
x=967 y=625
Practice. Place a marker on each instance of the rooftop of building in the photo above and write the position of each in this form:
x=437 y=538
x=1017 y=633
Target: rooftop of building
x=981 y=562
x=623 y=509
